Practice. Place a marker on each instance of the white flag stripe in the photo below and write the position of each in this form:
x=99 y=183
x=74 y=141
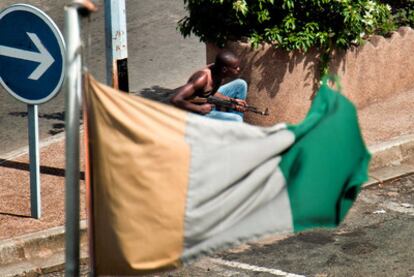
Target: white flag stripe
x=234 y=195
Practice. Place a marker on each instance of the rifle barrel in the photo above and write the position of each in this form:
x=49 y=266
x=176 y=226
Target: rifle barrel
x=231 y=104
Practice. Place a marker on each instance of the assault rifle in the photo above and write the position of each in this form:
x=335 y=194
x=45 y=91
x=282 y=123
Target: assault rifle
x=227 y=104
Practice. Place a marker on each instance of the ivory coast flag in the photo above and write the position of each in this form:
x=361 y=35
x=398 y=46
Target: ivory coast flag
x=168 y=185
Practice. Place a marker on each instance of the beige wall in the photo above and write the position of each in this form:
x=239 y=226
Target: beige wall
x=284 y=81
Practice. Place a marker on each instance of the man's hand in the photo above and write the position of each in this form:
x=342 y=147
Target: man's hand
x=241 y=105
x=205 y=108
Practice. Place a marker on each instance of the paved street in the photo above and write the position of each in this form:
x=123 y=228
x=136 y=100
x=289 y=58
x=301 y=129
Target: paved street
x=159 y=60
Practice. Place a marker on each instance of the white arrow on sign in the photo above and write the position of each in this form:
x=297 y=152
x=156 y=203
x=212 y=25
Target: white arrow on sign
x=43 y=56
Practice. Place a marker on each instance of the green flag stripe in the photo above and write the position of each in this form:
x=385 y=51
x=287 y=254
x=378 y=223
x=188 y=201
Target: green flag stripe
x=327 y=164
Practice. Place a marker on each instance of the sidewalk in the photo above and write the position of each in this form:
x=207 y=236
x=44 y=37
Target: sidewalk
x=15 y=191
x=27 y=244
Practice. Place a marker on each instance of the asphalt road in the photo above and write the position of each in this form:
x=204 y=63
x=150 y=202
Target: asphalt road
x=160 y=59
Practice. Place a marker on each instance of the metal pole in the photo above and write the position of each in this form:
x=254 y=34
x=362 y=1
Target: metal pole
x=33 y=123
x=116 y=44
x=73 y=91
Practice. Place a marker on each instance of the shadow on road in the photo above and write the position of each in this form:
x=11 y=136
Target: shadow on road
x=156 y=93
x=56 y=127
x=15 y=215
x=43 y=169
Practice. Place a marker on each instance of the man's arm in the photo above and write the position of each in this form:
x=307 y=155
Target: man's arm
x=183 y=93
x=241 y=104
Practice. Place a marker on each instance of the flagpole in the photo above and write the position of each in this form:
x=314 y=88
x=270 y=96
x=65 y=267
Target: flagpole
x=73 y=98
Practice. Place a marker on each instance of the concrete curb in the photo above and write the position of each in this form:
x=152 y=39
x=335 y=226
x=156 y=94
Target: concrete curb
x=393 y=152
x=24 y=150
x=390 y=160
x=43 y=251
x=30 y=253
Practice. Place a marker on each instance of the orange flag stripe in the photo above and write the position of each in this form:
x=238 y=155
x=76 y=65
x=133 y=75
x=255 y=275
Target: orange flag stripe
x=120 y=148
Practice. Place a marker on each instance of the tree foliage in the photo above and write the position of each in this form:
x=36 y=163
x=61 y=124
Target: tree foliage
x=287 y=24
x=402 y=11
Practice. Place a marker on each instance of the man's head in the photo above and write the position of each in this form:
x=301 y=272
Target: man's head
x=228 y=63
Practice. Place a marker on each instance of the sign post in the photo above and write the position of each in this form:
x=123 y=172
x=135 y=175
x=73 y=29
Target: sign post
x=32 y=70
x=116 y=44
x=34 y=167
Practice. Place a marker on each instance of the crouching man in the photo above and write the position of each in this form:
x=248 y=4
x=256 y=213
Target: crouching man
x=208 y=82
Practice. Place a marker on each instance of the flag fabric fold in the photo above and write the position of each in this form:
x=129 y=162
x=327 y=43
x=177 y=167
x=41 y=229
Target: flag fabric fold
x=169 y=186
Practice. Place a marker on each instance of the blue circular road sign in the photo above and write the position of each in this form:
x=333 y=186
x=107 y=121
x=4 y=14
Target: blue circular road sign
x=32 y=51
